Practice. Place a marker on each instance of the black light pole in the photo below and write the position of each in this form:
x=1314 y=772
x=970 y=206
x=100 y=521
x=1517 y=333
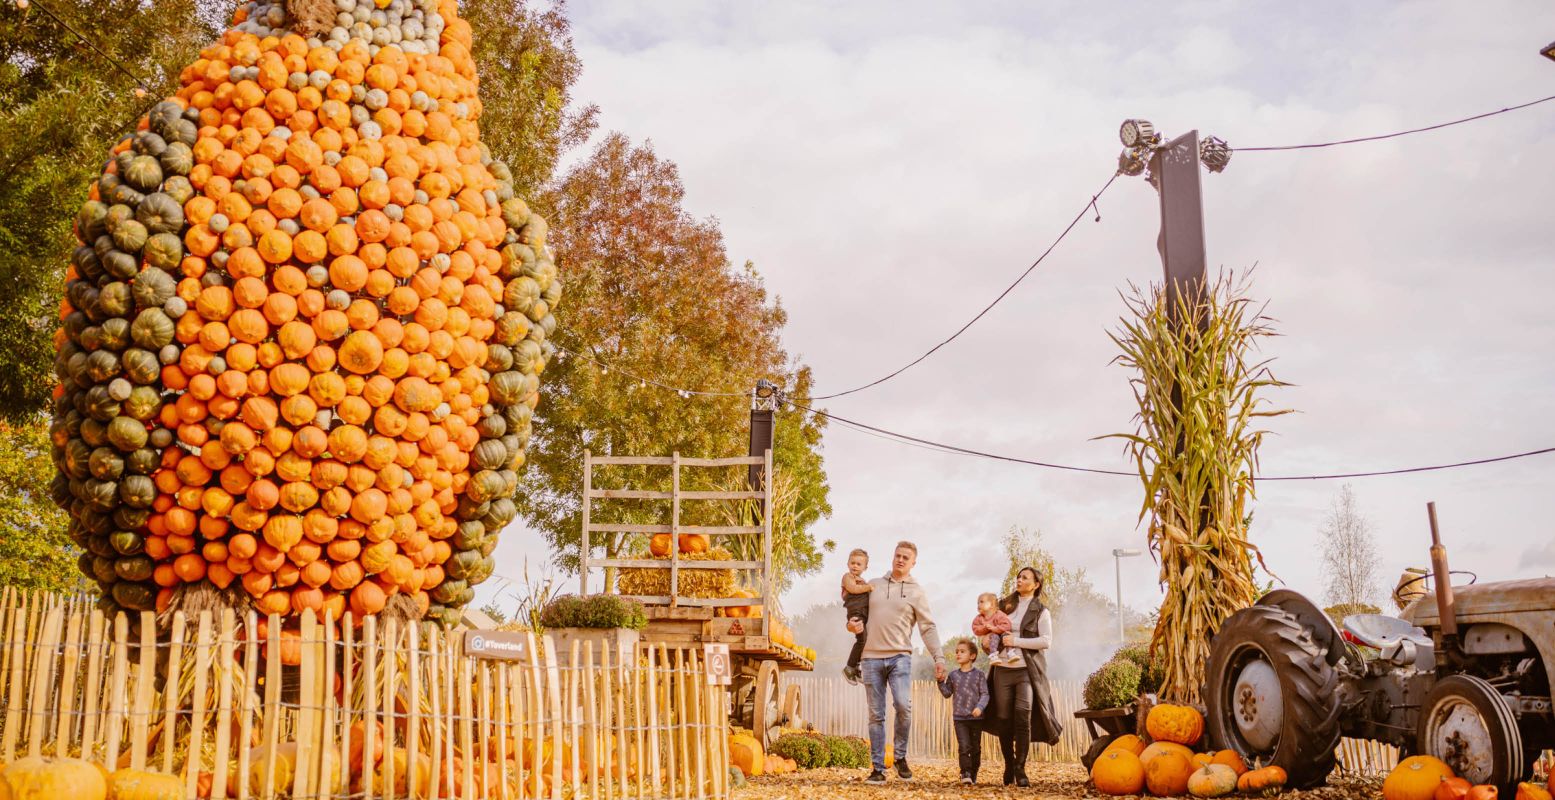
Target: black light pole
x=1173 y=169
x=764 y=401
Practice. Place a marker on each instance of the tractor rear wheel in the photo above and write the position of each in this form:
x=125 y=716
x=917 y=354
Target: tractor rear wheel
x=1468 y=724
x=1271 y=695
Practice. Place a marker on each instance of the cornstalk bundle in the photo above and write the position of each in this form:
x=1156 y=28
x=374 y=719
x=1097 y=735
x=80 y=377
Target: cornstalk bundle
x=1199 y=389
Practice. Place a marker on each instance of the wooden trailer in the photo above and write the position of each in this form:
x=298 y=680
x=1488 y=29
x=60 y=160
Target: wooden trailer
x=677 y=620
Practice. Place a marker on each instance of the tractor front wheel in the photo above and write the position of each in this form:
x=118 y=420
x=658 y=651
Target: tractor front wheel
x=1468 y=724
x=1271 y=695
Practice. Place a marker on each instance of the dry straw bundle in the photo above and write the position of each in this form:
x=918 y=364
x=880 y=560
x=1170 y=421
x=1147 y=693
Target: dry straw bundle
x=693 y=582
x=1199 y=388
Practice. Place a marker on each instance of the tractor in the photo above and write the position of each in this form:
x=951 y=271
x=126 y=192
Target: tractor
x=1463 y=673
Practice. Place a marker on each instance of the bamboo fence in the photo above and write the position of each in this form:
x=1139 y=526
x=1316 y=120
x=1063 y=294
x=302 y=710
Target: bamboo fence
x=211 y=700
x=834 y=706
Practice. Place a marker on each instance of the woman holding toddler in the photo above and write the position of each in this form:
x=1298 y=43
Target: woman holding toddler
x=1018 y=633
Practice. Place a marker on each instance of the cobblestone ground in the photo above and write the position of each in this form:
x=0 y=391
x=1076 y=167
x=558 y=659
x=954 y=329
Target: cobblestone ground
x=936 y=780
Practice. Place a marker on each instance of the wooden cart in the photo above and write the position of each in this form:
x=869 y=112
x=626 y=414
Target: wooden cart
x=759 y=701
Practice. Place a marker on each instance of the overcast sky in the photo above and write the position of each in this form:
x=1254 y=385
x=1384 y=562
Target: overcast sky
x=891 y=166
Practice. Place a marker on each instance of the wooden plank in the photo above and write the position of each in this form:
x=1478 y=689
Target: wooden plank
x=272 y=702
x=691 y=613
x=118 y=688
x=370 y=700
x=330 y=770
x=348 y=680
x=682 y=723
x=616 y=684
x=413 y=699
x=629 y=494
x=624 y=527
x=553 y=697
x=722 y=530
x=391 y=641
x=504 y=725
x=175 y=666
x=95 y=657
x=536 y=715
x=450 y=681
x=440 y=725
x=591 y=745
x=246 y=705
x=652 y=723
x=308 y=680
x=65 y=731
x=638 y=461
x=587 y=550
x=692 y=697
x=668 y=563
x=225 y=648
x=570 y=705
x=145 y=688
x=710 y=602
x=639 y=732
x=16 y=687
x=723 y=495
x=467 y=725
x=195 y=761
x=734 y=461
x=483 y=721
x=766 y=534
x=43 y=679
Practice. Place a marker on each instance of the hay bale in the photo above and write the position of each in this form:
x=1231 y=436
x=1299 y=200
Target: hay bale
x=693 y=582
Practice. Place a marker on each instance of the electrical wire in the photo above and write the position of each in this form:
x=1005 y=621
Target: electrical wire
x=1394 y=135
x=973 y=321
x=89 y=43
x=955 y=449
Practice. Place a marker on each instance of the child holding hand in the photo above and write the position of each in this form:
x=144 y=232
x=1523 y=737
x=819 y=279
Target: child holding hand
x=969 y=688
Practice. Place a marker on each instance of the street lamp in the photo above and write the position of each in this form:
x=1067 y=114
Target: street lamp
x=1118 y=554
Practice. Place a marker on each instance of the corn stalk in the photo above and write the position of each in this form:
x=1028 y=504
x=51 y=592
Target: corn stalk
x=785 y=497
x=1199 y=389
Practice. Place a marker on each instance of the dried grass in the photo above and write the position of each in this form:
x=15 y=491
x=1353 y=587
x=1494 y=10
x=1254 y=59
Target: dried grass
x=1198 y=388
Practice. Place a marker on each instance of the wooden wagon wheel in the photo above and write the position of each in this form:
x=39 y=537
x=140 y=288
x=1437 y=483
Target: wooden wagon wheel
x=767 y=714
x=792 y=716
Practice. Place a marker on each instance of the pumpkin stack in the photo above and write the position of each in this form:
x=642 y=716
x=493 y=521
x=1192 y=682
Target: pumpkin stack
x=303 y=332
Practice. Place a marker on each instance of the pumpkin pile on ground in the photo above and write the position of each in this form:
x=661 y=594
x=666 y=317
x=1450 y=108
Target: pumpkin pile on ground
x=303 y=332
x=1168 y=767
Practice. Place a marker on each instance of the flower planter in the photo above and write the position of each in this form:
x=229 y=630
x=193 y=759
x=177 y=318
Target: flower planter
x=621 y=643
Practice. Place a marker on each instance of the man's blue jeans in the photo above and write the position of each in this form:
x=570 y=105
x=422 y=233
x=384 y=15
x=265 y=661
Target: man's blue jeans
x=896 y=673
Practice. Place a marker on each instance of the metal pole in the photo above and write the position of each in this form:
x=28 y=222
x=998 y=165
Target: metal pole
x=1175 y=170
x=1117 y=565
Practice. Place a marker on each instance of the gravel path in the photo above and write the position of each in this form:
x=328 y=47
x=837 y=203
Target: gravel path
x=936 y=780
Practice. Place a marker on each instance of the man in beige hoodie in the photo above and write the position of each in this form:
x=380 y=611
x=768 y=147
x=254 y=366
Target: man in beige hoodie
x=897 y=604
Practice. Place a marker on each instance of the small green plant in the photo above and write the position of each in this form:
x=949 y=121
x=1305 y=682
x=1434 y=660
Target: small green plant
x=817 y=751
x=593 y=611
x=1151 y=670
x=1114 y=684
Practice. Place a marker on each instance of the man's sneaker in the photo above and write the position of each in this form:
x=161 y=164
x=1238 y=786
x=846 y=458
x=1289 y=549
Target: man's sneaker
x=966 y=779
x=852 y=674
x=876 y=778
x=902 y=771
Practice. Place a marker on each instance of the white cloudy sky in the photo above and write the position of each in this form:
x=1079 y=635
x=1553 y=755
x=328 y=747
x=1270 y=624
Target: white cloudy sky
x=891 y=166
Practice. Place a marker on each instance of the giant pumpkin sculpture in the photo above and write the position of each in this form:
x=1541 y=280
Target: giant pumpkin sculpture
x=303 y=331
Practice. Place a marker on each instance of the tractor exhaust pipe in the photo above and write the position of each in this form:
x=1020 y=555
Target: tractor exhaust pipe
x=1442 y=577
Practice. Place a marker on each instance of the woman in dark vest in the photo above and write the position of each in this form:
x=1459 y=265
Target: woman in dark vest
x=1019 y=696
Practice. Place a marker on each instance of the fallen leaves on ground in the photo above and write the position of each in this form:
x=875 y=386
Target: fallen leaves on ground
x=938 y=780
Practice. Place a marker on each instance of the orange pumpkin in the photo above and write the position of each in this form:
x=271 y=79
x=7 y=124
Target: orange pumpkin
x=1167 y=774
x=1415 y=778
x=1118 y=772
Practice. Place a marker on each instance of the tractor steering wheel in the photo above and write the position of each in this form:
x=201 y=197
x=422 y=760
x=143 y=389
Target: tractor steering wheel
x=1473 y=578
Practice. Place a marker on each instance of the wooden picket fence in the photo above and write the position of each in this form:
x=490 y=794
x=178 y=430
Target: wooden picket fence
x=211 y=700
x=838 y=707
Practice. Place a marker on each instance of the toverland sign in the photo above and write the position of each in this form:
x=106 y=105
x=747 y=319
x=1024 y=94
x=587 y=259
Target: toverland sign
x=497 y=645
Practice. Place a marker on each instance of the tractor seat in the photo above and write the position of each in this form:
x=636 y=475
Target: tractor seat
x=1398 y=641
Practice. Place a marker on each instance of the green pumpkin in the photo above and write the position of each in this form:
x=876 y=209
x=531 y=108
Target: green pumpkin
x=491 y=426
x=515 y=213
x=148 y=143
x=153 y=287
x=152 y=329
x=135 y=596
x=468 y=508
x=468 y=536
x=117 y=214
x=538 y=310
x=143 y=173
x=143 y=403
x=183 y=130
x=484 y=485
x=448 y=591
x=134 y=568
x=520 y=294
x=137 y=491
x=102 y=365
x=490 y=454
x=90 y=220
x=94 y=432
x=141 y=366
x=143 y=461
x=503 y=511
x=177 y=160
x=114 y=300
x=487 y=548
x=160 y=214
x=120 y=264
x=78 y=459
x=533 y=232
x=87 y=263
x=553 y=293
x=130 y=519
x=162 y=116
x=114 y=334
x=102 y=570
x=507 y=388
x=179 y=188
x=499 y=357
x=101 y=495
x=127 y=434
x=547 y=326
x=127 y=543
x=164 y=251
x=125 y=194
x=511 y=328
x=106 y=464
x=130 y=236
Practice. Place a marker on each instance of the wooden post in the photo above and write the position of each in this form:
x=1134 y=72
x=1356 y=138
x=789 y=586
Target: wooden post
x=583 y=554
x=674 y=528
x=766 y=539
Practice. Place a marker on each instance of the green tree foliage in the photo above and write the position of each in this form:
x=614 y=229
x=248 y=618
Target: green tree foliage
x=651 y=292
x=527 y=64
x=62 y=106
x=35 y=553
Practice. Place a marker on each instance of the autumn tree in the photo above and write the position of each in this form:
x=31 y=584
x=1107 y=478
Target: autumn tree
x=35 y=553
x=651 y=292
x=1349 y=554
